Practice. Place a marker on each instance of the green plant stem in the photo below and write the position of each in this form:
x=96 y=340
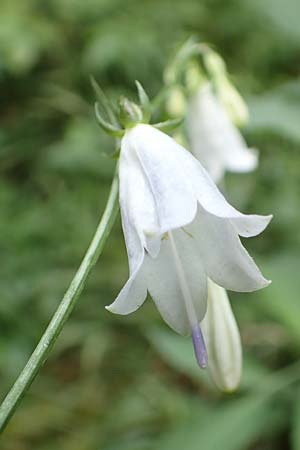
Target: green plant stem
x=41 y=352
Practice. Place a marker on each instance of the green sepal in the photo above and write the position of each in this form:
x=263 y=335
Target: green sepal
x=106 y=126
x=104 y=102
x=144 y=102
x=168 y=125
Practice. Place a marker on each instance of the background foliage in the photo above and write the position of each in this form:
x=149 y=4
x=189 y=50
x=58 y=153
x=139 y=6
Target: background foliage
x=115 y=383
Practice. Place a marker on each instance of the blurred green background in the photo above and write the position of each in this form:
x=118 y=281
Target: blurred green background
x=130 y=383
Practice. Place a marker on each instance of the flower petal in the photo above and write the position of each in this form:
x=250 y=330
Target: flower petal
x=164 y=286
x=134 y=293
x=173 y=195
x=213 y=201
x=250 y=225
x=215 y=141
x=133 y=241
x=205 y=140
x=241 y=159
x=225 y=259
x=137 y=204
x=132 y=296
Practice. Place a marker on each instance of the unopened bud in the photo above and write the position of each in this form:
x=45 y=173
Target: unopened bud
x=176 y=102
x=130 y=113
x=233 y=103
x=214 y=64
x=222 y=340
x=194 y=77
x=226 y=92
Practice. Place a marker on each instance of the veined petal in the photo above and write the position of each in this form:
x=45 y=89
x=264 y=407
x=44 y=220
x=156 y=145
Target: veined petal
x=132 y=296
x=213 y=201
x=134 y=293
x=138 y=209
x=162 y=182
x=133 y=240
x=173 y=196
x=222 y=339
x=225 y=259
x=165 y=282
x=250 y=225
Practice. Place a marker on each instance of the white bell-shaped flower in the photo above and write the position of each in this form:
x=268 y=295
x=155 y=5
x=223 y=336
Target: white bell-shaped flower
x=214 y=139
x=222 y=340
x=179 y=230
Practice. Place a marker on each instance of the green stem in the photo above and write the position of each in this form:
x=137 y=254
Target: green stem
x=41 y=352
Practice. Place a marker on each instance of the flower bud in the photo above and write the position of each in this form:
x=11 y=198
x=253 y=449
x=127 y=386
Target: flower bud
x=222 y=339
x=194 y=77
x=130 y=113
x=214 y=64
x=176 y=102
x=227 y=93
x=233 y=102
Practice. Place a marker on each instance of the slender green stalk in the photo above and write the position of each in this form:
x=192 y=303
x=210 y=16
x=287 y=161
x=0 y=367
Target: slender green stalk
x=41 y=352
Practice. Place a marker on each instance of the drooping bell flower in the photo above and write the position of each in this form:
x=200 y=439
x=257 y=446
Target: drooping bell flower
x=179 y=230
x=214 y=140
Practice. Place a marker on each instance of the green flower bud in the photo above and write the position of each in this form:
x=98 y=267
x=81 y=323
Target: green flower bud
x=176 y=102
x=214 y=64
x=130 y=113
x=233 y=102
x=222 y=339
x=194 y=77
x=226 y=92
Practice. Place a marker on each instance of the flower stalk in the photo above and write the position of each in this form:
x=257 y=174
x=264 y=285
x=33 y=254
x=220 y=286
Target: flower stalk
x=41 y=352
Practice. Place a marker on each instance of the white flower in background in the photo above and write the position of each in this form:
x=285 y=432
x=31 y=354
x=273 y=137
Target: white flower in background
x=179 y=230
x=226 y=92
x=214 y=139
x=222 y=339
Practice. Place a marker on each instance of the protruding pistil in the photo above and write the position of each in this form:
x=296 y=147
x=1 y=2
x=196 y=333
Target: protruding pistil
x=199 y=346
